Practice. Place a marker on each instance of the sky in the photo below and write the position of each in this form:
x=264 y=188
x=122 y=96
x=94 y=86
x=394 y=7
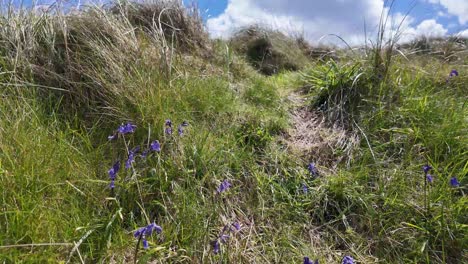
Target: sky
x=317 y=19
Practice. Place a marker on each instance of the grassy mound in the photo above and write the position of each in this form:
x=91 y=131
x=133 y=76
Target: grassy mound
x=269 y=51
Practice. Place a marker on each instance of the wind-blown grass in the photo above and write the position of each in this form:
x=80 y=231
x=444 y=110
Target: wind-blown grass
x=68 y=81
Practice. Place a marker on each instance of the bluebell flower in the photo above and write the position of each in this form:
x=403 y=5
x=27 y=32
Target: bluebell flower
x=454 y=182
x=168 y=123
x=113 y=136
x=305 y=189
x=127 y=128
x=347 y=260
x=184 y=124
x=224 y=238
x=236 y=226
x=427 y=168
x=215 y=246
x=155 y=146
x=312 y=169
x=453 y=73
x=112 y=184
x=225 y=185
x=113 y=171
x=308 y=261
x=144 y=154
x=131 y=157
x=148 y=230
x=145 y=244
x=180 y=130
x=429 y=178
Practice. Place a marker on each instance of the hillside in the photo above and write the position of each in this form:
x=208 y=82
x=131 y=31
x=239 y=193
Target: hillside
x=127 y=135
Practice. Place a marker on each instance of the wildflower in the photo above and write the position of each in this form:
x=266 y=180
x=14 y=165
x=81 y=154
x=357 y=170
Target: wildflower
x=236 y=226
x=347 y=260
x=454 y=182
x=131 y=157
x=312 y=169
x=308 y=261
x=168 y=123
x=180 y=130
x=113 y=136
x=184 y=124
x=224 y=238
x=426 y=168
x=127 y=128
x=215 y=247
x=115 y=168
x=144 y=154
x=155 y=146
x=113 y=173
x=147 y=231
x=168 y=129
x=429 y=178
x=453 y=73
x=224 y=186
x=305 y=189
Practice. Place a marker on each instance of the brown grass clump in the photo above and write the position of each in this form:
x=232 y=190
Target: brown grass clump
x=269 y=51
x=182 y=27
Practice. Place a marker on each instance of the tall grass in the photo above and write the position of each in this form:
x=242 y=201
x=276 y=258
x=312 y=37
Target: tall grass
x=68 y=80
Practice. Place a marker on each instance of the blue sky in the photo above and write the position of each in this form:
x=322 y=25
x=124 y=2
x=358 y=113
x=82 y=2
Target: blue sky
x=316 y=18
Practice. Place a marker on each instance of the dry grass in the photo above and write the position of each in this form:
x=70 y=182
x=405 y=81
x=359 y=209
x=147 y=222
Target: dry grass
x=312 y=138
x=269 y=51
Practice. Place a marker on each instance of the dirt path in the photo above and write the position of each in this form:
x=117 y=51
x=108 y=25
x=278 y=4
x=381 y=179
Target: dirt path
x=315 y=140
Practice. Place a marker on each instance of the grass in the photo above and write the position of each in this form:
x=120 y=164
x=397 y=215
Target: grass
x=64 y=90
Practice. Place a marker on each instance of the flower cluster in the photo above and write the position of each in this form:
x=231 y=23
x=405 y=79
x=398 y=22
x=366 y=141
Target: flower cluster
x=146 y=231
x=123 y=129
x=430 y=178
x=224 y=236
x=155 y=146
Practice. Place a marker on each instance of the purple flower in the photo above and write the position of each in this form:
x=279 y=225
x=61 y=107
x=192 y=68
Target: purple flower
x=113 y=137
x=180 y=130
x=224 y=238
x=453 y=73
x=429 y=178
x=215 y=246
x=113 y=171
x=184 y=124
x=145 y=244
x=127 y=128
x=308 y=261
x=426 y=168
x=168 y=123
x=312 y=169
x=148 y=230
x=347 y=260
x=236 y=226
x=155 y=146
x=144 y=154
x=112 y=184
x=454 y=182
x=168 y=130
x=305 y=189
x=131 y=157
x=225 y=185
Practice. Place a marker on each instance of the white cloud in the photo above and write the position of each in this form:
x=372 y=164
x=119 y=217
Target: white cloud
x=315 y=19
x=457 y=8
x=463 y=33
